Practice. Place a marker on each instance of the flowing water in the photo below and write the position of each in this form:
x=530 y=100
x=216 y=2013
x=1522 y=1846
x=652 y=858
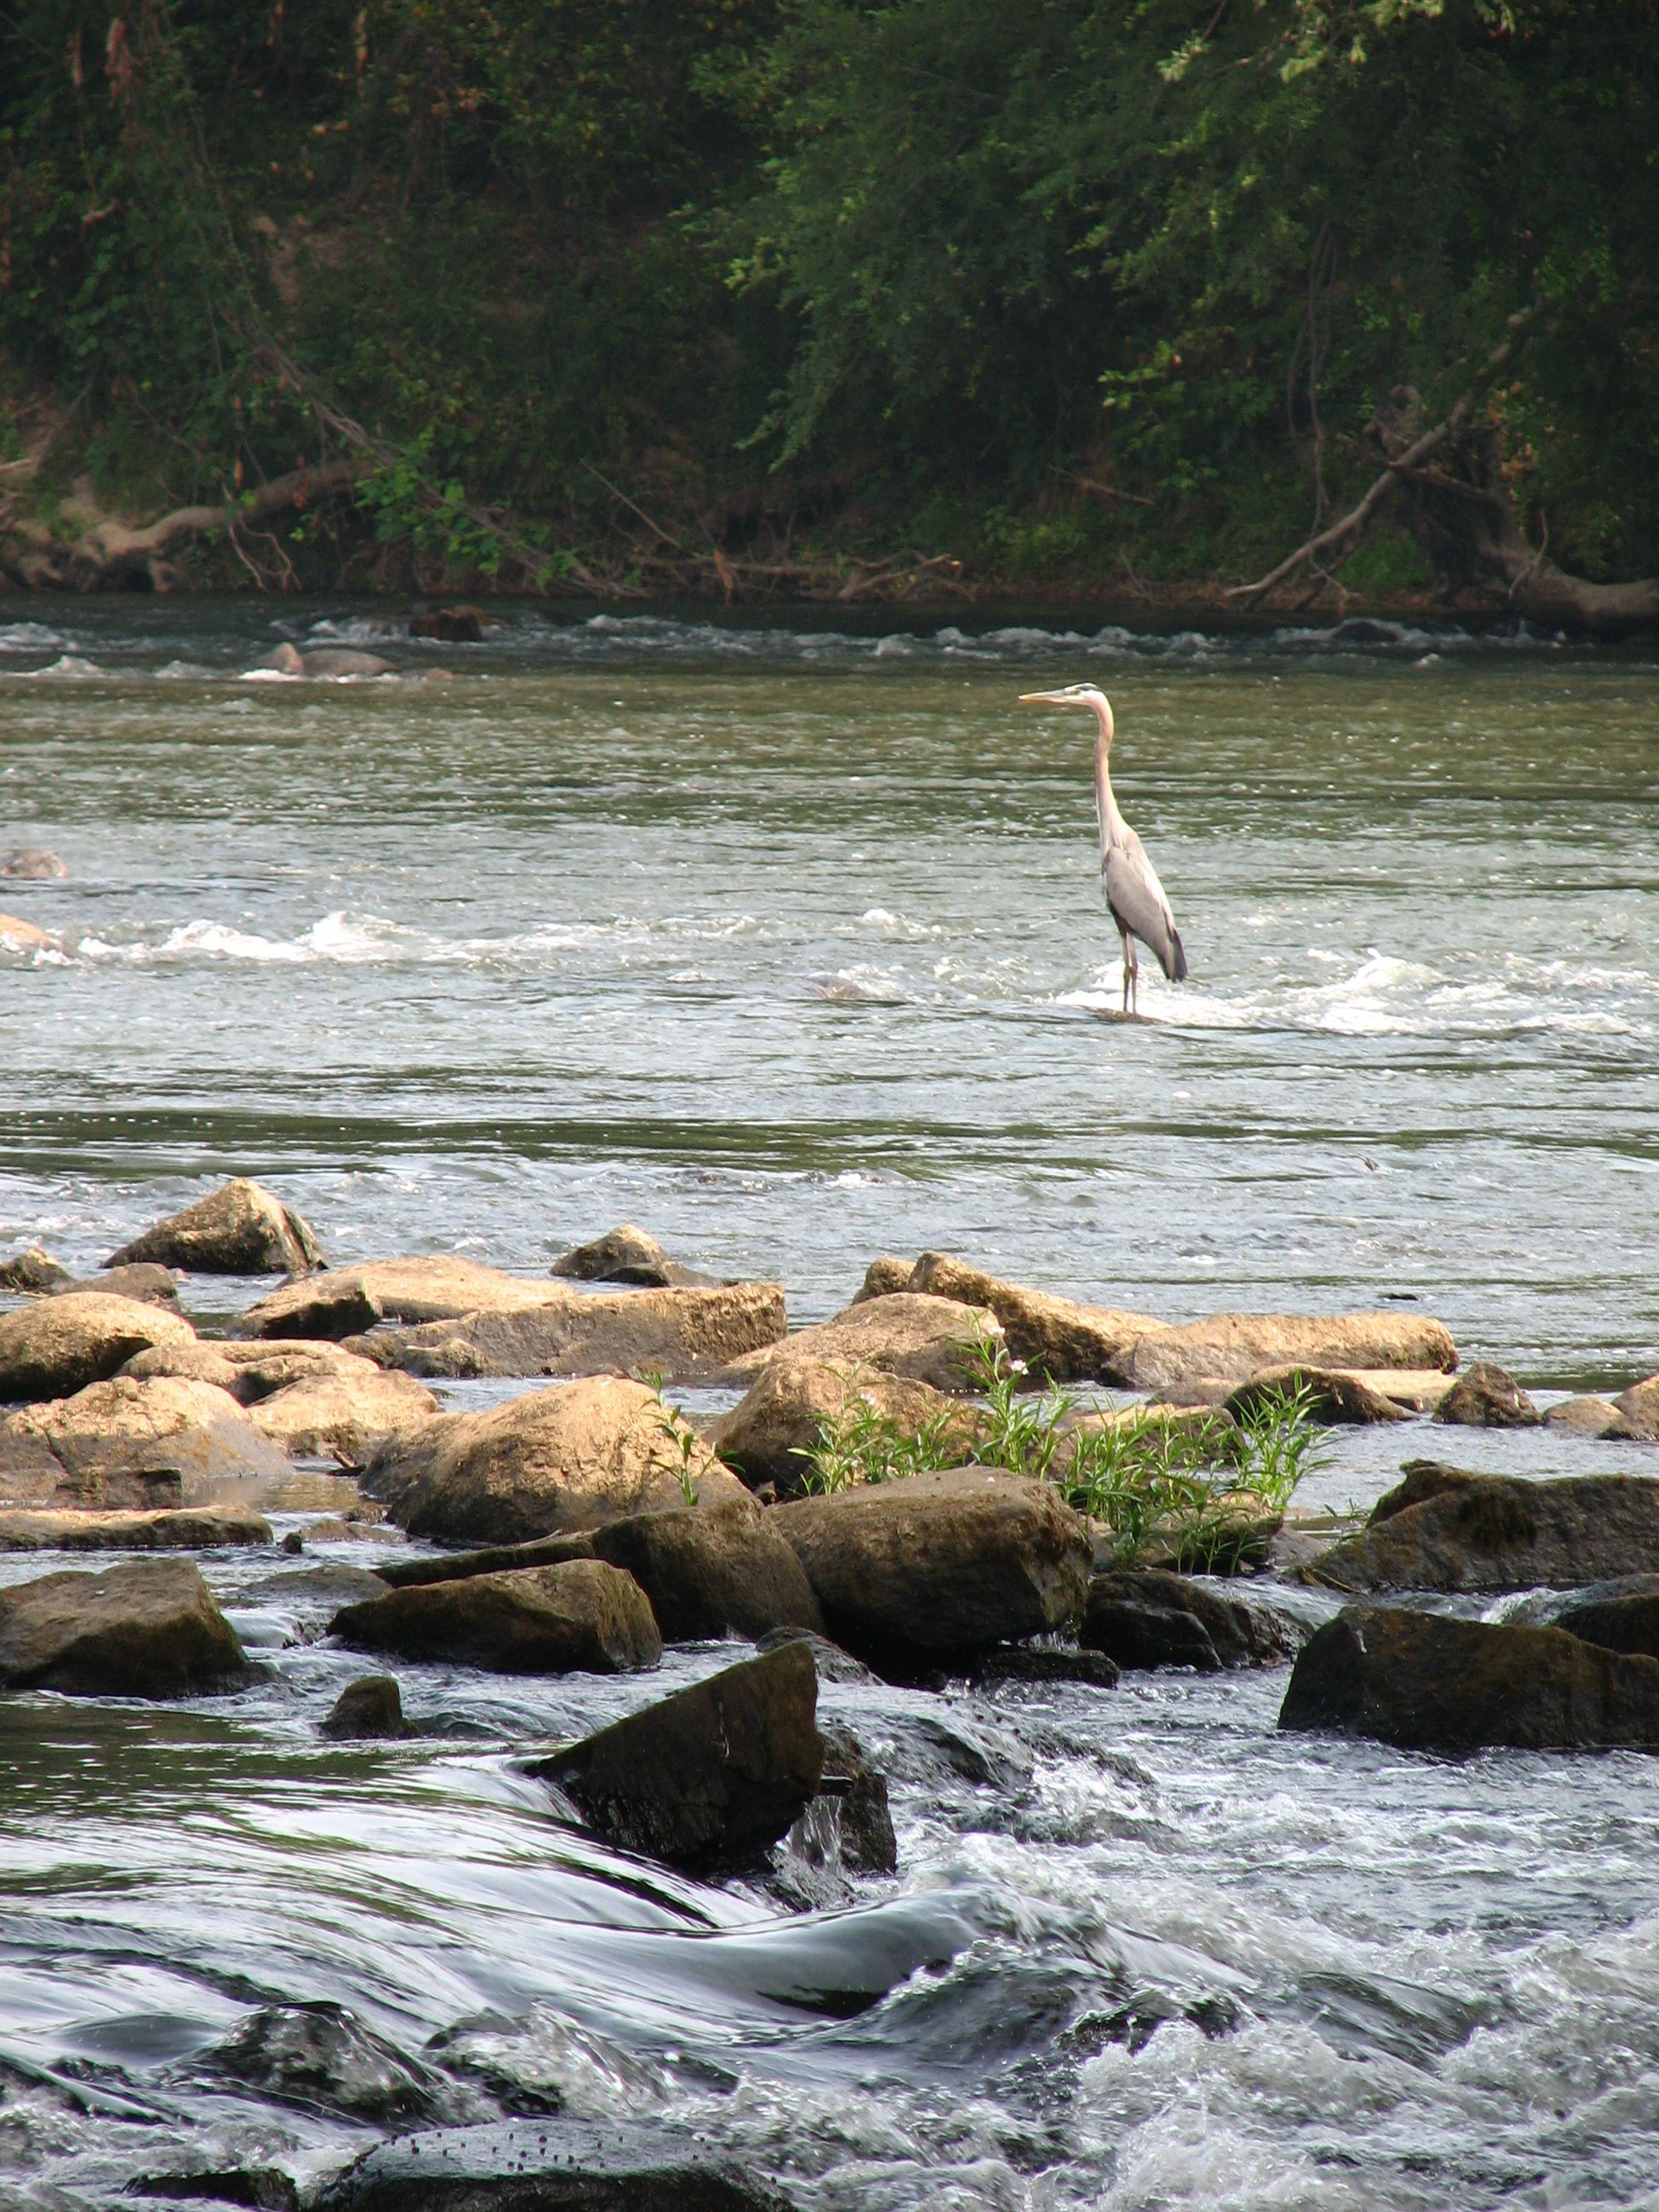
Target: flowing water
x=787 y=943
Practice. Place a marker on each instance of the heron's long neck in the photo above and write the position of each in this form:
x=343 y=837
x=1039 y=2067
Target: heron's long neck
x=1113 y=827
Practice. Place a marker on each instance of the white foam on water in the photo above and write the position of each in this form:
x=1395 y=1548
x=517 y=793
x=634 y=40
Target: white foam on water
x=70 y=666
x=184 y=671
x=27 y=637
x=858 y=986
x=359 y=630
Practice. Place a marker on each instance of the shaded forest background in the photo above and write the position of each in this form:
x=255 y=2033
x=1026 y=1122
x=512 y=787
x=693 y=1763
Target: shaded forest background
x=852 y=297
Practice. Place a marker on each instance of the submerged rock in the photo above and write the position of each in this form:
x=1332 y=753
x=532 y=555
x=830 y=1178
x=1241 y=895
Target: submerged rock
x=1053 y=1336
x=847 y=1829
x=33 y=864
x=60 y=1345
x=149 y=1629
x=1333 y=1400
x=548 y=2165
x=1037 y=1662
x=935 y=1340
x=552 y=1461
x=32 y=1271
x=941 y=1563
x=674 y=1334
x=712 y=1570
x=1484 y=1397
x=626 y=1255
x=1445 y=1529
x=833 y=1664
x=584 y=1617
x=237 y=1230
x=1144 y=1618
x=369 y=1709
x=1428 y=1681
x=322 y=2058
x=714 y=1774
x=188 y=1529
x=1234 y=1346
x=766 y=1434
x=129 y=1443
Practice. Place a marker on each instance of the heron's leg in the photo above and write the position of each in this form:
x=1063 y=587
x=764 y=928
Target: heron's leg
x=1128 y=968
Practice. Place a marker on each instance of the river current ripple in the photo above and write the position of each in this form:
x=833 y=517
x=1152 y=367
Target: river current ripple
x=787 y=943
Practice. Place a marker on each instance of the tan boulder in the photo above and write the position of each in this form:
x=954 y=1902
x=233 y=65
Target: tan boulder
x=883 y=1277
x=237 y=1230
x=1053 y=1337
x=793 y=1399
x=626 y=1255
x=1638 y=1413
x=682 y=1334
x=61 y=1344
x=1235 y=1346
x=149 y=1629
x=148 y=1284
x=436 y=1286
x=1584 y=1417
x=568 y=1458
x=128 y=1442
x=33 y=864
x=315 y=1400
x=187 y=1528
x=18 y=935
x=927 y=1339
x=583 y=1616
x=1484 y=1397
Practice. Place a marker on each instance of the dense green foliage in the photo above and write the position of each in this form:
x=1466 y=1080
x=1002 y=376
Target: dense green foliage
x=1074 y=289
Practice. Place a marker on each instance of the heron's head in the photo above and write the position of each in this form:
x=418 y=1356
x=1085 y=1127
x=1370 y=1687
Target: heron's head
x=1075 y=695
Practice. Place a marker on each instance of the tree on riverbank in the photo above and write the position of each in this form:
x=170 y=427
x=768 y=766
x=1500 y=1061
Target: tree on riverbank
x=825 y=295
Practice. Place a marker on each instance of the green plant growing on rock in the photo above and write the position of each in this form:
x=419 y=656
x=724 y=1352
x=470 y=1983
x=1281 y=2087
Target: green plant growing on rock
x=861 y=1444
x=681 y=1434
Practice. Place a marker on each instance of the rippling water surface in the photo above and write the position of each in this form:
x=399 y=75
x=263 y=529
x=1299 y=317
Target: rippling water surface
x=788 y=944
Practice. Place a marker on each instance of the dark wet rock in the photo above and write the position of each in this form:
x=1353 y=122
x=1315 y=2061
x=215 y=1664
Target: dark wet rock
x=546 y=1464
x=237 y=1230
x=1621 y=1616
x=883 y=1277
x=941 y=1563
x=1053 y=1336
x=329 y=1309
x=1638 y=1413
x=322 y=2058
x=265 y=2188
x=1445 y=1530
x=127 y=1443
x=934 y=1341
x=858 y=1791
x=58 y=1345
x=712 y=1775
x=450 y=625
x=833 y=1664
x=584 y=1617
x=33 y=864
x=627 y=1254
x=1234 y=1346
x=187 y=1528
x=712 y=1570
x=330 y=1583
x=1144 y=1618
x=1033 y=1662
x=1428 y=1681
x=149 y=1629
x=368 y=1710
x=1135 y=2024
x=932 y=1745
x=677 y=1333
x=32 y=1271
x=1335 y=1400
x=767 y=1435
x=1484 y=1397
x=1583 y=1417
x=493 y=1559
x=151 y=1286
x=548 y=2165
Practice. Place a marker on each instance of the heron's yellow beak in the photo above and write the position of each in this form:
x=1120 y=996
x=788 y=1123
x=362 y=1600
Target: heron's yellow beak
x=1042 y=699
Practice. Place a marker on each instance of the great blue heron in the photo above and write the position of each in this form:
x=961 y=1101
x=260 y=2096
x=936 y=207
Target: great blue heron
x=1132 y=891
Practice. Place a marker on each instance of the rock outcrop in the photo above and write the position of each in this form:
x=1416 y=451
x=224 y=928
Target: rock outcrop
x=712 y=1570
x=626 y=1255
x=33 y=1271
x=1484 y=1397
x=237 y=1230
x=1143 y=1619
x=1231 y=1347
x=942 y=1564
x=131 y=1444
x=712 y=1775
x=554 y=1460
x=584 y=1617
x=679 y=1334
x=1427 y=1682
x=1443 y=1529
x=1053 y=1336
x=188 y=1529
x=925 y=1340
x=766 y=1436
x=537 y=2165
x=60 y=1345
x=150 y=1629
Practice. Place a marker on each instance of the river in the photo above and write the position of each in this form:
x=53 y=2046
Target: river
x=785 y=941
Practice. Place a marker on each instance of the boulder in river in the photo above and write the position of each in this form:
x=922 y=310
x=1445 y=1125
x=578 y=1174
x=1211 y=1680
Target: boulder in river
x=170 y=1528
x=1484 y=1397
x=32 y=1271
x=1332 y=1399
x=489 y=1560
x=430 y=1286
x=1638 y=1413
x=765 y=1437
x=626 y=1255
x=1055 y=1337
x=1234 y=1346
x=459 y=625
x=33 y=864
x=369 y=1709
x=935 y=1340
x=883 y=1277
x=548 y=2165
x=148 y=1284
x=1584 y=1417
x=130 y=1442
x=312 y=1399
x=680 y=1334
x=833 y=1664
x=1428 y=1681
x=149 y=1629
x=238 y=1230
x=1445 y=1530
x=60 y=1345
x=712 y=1570
x=1143 y=1619
x=322 y=2058
x=714 y=1774
x=571 y=1457
x=20 y=936
x=584 y=1617
x=937 y=1566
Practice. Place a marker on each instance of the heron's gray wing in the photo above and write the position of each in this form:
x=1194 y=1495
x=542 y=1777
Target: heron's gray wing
x=1137 y=904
